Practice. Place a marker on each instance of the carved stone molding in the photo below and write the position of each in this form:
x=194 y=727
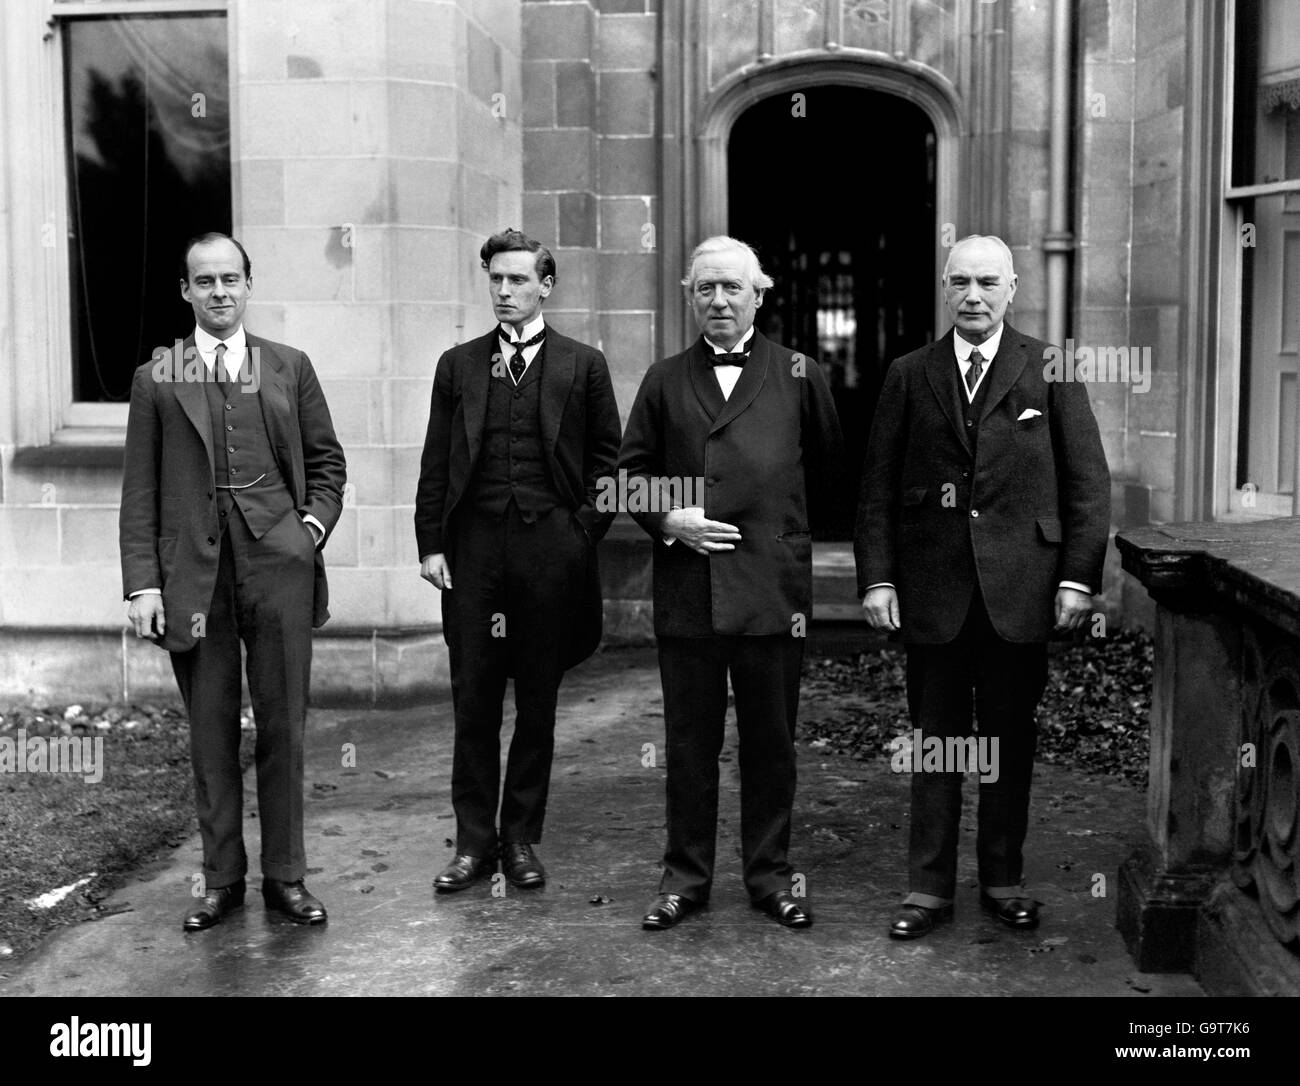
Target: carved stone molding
x=1266 y=807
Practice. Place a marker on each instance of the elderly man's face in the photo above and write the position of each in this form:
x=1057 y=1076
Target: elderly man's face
x=217 y=288
x=723 y=296
x=978 y=289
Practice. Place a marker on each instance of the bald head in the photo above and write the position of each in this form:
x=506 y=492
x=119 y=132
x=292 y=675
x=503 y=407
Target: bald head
x=979 y=281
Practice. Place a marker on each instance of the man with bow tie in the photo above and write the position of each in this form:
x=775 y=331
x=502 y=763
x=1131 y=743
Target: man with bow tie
x=755 y=424
x=523 y=426
x=233 y=480
x=981 y=528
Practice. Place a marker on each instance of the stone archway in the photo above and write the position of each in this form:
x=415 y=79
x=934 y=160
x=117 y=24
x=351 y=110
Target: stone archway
x=782 y=78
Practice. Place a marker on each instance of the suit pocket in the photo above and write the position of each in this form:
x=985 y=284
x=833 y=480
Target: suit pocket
x=798 y=544
x=915 y=495
x=1050 y=529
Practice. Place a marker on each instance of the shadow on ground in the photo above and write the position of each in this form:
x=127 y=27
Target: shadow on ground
x=379 y=831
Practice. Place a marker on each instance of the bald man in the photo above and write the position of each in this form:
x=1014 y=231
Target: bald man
x=981 y=530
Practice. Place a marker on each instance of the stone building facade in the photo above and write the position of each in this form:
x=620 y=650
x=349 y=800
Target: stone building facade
x=1141 y=157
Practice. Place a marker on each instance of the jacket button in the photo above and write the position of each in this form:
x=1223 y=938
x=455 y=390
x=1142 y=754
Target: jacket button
x=974 y=512
x=969 y=423
x=965 y=474
x=212 y=541
x=709 y=482
x=229 y=407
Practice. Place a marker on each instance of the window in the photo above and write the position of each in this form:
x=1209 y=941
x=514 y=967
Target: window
x=1264 y=195
x=146 y=126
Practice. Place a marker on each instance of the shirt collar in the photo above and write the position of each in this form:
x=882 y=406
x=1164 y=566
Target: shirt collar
x=207 y=344
x=988 y=349
x=739 y=348
x=529 y=330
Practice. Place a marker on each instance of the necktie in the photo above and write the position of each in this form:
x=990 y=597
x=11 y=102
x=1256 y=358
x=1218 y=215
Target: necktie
x=976 y=368
x=736 y=358
x=517 y=362
x=219 y=369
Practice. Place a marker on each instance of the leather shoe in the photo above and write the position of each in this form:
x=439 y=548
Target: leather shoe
x=213 y=905
x=463 y=871
x=294 y=900
x=1014 y=912
x=913 y=921
x=666 y=911
x=521 y=866
x=783 y=907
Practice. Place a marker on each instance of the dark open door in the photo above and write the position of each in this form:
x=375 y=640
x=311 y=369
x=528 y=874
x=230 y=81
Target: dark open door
x=836 y=192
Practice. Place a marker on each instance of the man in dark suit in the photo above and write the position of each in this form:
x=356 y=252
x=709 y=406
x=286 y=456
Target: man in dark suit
x=750 y=427
x=982 y=527
x=233 y=480
x=522 y=428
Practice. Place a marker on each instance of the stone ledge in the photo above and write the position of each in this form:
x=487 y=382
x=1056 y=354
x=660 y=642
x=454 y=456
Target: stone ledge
x=70 y=456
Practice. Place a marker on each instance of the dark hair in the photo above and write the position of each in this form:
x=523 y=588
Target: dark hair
x=203 y=239
x=511 y=240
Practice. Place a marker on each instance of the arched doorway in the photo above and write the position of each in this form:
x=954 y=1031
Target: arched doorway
x=835 y=187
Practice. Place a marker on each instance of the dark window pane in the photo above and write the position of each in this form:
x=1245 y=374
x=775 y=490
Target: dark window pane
x=1266 y=98
x=148 y=134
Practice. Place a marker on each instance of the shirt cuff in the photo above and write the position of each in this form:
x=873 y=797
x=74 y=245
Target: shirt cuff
x=145 y=592
x=1077 y=587
x=881 y=584
x=309 y=519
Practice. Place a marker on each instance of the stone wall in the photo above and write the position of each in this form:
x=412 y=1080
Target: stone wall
x=590 y=173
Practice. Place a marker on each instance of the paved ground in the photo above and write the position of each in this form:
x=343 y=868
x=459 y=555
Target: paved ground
x=377 y=833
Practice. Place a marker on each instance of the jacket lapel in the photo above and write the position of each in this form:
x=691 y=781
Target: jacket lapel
x=1008 y=364
x=193 y=399
x=557 y=380
x=474 y=390
x=267 y=368
x=939 y=370
x=703 y=383
x=748 y=384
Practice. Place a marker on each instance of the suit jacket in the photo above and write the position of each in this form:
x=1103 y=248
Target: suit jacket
x=1029 y=509
x=169 y=529
x=757 y=456
x=580 y=435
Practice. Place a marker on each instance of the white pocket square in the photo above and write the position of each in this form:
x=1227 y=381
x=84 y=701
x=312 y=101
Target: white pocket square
x=1028 y=413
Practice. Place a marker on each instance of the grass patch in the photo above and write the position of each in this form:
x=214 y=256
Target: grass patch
x=56 y=828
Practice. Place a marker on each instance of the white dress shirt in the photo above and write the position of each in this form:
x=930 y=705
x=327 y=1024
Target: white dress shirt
x=988 y=350
x=508 y=339
x=728 y=375
x=236 y=351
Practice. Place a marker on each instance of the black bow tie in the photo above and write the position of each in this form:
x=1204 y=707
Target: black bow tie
x=734 y=358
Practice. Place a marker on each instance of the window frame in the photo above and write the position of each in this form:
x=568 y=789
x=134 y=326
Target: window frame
x=84 y=422
x=1227 y=503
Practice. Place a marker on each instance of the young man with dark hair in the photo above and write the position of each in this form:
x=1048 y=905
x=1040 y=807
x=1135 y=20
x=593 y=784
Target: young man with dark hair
x=522 y=428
